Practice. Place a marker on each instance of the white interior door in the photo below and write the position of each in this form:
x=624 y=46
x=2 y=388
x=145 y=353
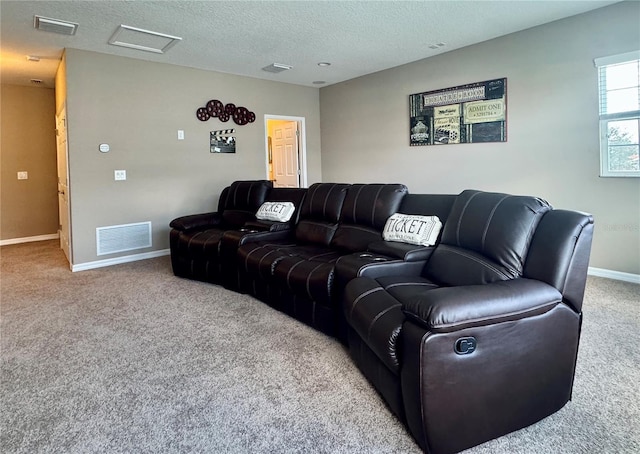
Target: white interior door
x=286 y=171
x=63 y=183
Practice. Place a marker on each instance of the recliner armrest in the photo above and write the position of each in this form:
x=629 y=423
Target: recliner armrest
x=402 y=251
x=453 y=308
x=196 y=221
x=267 y=226
x=254 y=237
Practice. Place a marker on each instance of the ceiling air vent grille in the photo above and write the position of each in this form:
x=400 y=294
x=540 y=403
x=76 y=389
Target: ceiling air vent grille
x=47 y=24
x=140 y=39
x=120 y=238
x=277 y=68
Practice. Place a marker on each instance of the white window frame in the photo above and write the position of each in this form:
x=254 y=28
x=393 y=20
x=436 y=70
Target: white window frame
x=601 y=64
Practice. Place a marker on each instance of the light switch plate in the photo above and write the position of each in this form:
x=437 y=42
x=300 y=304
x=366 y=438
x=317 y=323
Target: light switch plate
x=120 y=175
x=180 y=134
x=23 y=175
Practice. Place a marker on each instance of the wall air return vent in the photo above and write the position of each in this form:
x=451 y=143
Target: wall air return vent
x=146 y=40
x=47 y=24
x=120 y=238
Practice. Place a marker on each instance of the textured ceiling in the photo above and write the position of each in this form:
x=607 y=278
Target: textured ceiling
x=241 y=37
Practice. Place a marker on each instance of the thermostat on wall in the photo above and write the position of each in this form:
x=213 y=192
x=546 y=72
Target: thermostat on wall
x=104 y=147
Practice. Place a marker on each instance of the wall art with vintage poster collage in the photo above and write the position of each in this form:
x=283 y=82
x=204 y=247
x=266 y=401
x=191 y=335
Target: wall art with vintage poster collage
x=469 y=113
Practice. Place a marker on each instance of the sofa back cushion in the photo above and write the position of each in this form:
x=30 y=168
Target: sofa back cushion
x=428 y=205
x=244 y=195
x=364 y=213
x=240 y=200
x=486 y=238
x=293 y=195
x=320 y=212
x=323 y=202
x=371 y=204
x=234 y=219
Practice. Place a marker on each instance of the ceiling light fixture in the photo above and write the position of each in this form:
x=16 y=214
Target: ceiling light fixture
x=46 y=24
x=324 y=63
x=36 y=81
x=277 y=68
x=437 y=45
x=33 y=58
x=319 y=82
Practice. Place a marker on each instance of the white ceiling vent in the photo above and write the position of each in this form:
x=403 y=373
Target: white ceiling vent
x=120 y=238
x=276 y=68
x=47 y=24
x=146 y=40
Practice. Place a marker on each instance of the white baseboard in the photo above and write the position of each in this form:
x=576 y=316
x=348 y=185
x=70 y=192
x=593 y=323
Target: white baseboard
x=30 y=239
x=119 y=260
x=617 y=275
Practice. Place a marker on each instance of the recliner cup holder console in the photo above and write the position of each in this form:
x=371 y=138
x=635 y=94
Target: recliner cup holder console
x=369 y=255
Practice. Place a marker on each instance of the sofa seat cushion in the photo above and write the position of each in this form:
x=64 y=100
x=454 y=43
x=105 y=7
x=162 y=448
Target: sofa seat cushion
x=310 y=273
x=354 y=237
x=374 y=310
x=314 y=252
x=377 y=318
x=259 y=258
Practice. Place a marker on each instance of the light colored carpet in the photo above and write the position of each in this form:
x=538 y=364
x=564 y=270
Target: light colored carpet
x=132 y=359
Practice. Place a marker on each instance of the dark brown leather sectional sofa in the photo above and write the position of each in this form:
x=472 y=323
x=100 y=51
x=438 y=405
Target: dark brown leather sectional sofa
x=466 y=340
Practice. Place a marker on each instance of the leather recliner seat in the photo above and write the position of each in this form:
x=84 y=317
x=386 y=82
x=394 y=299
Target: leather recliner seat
x=297 y=276
x=196 y=241
x=483 y=340
x=254 y=231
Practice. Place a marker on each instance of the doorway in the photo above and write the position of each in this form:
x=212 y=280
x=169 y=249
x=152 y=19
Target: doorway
x=285 y=143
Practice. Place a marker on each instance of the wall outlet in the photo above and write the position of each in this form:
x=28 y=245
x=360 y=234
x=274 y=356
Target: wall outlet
x=23 y=175
x=180 y=134
x=120 y=175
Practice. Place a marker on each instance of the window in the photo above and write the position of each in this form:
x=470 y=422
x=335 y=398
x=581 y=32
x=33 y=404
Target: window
x=619 y=87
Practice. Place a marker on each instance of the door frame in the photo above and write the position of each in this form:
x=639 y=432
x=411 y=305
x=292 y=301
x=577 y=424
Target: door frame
x=302 y=145
x=62 y=114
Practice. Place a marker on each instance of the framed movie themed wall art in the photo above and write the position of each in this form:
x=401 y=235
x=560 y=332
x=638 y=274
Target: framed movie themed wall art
x=222 y=141
x=471 y=113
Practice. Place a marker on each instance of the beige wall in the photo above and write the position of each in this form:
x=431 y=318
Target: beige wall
x=137 y=107
x=28 y=207
x=552 y=149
